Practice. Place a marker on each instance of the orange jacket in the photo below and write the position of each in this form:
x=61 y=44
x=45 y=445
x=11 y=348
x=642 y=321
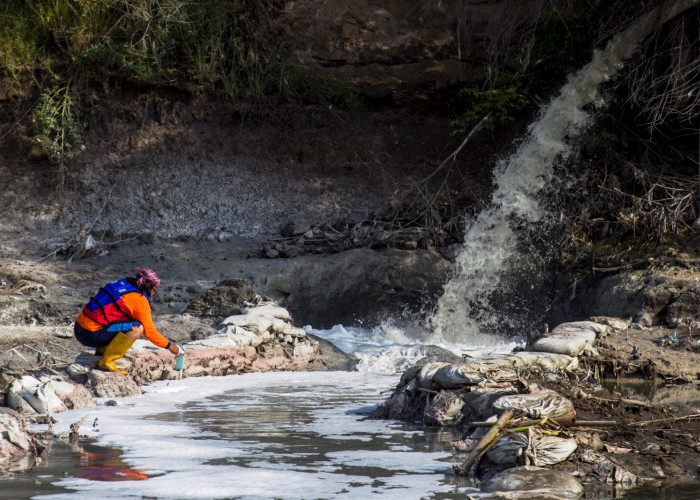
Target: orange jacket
x=139 y=309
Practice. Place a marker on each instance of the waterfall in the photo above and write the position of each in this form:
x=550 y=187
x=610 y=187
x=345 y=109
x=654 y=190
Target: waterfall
x=490 y=251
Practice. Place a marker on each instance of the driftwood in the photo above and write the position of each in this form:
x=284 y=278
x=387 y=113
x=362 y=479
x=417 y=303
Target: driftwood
x=624 y=401
x=491 y=438
x=694 y=416
x=23 y=286
x=582 y=423
x=75 y=429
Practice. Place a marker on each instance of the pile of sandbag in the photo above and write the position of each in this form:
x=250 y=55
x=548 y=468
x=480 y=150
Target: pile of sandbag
x=267 y=327
x=494 y=369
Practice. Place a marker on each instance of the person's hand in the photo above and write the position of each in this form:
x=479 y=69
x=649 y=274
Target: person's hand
x=176 y=349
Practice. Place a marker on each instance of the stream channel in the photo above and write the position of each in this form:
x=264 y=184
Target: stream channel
x=289 y=435
x=306 y=435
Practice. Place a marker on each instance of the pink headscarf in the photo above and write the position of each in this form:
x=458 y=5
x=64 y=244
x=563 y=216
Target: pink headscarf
x=146 y=277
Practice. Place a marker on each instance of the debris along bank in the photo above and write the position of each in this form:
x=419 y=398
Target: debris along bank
x=261 y=338
x=540 y=419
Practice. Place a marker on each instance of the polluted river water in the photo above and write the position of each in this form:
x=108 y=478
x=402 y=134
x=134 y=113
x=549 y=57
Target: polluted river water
x=298 y=435
x=262 y=435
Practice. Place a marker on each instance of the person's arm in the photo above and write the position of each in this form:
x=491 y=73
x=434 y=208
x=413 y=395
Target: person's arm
x=141 y=312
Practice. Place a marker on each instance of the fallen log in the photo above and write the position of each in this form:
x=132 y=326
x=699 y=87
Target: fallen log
x=491 y=437
x=584 y=423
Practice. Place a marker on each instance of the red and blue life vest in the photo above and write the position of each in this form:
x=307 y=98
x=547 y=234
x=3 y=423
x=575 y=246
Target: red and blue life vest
x=107 y=306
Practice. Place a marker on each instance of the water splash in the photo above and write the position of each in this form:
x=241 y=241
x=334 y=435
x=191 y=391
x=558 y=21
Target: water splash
x=490 y=252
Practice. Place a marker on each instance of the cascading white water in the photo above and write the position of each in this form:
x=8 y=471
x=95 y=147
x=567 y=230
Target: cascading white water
x=490 y=246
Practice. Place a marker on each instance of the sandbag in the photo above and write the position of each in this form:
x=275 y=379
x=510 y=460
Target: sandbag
x=444 y=409
x=18 y=403
x=43 y=398
x=531 y=482
x=252 y=322
x=425 y=377
x=536 y=405
x=270 y=311
x=509 y=450
x=281 y=326
x=531 y=447
x=478 y=403
x=458 y=375
x=596 y=328
x=548 y=450
x=571 y=341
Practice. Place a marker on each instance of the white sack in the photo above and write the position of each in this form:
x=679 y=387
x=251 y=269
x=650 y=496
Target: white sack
x=531 y=448
x=536 y=405
x=571 y=341
x=269 y=310
x=252 y=322
x=596 y=328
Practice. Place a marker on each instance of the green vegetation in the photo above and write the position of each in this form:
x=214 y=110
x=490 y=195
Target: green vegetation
x=206 y=47
x=57 y=123
x=534 y=65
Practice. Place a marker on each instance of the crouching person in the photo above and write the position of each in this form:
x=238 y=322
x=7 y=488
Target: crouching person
x=119 y=314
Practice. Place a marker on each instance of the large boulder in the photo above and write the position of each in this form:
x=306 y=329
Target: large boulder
x=226 y=298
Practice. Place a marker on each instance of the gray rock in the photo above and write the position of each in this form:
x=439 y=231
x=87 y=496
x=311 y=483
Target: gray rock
x=271 y=253
x=685 y=310
x=287 y=250
x=295 y=227
x=112 y=384
x=338 y=360
x=63 y=333
x=357 y=217
x=647 y=297
x=227 y=298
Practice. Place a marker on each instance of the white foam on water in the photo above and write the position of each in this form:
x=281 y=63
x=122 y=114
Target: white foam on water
x=390 y=349
x=195 y=459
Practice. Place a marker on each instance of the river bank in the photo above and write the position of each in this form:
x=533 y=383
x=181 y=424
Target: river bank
x=650 y=436
x=571 y=421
